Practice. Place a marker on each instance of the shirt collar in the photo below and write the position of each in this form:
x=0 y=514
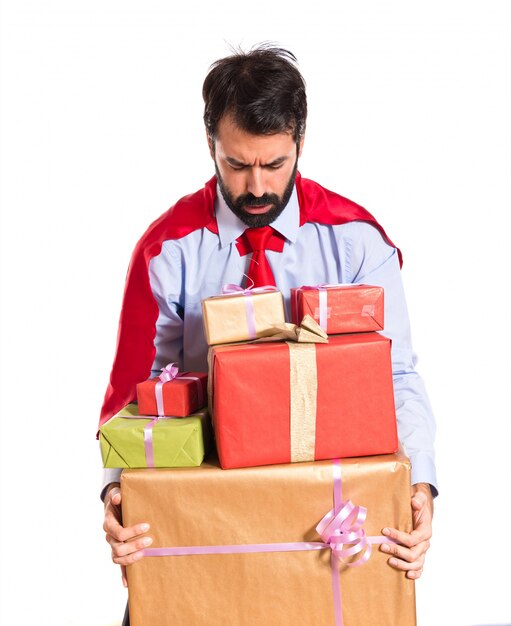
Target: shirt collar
x=231 y=227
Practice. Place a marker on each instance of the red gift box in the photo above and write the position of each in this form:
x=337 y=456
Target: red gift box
x=284 y=402
x=340 y=308
x=181 y=396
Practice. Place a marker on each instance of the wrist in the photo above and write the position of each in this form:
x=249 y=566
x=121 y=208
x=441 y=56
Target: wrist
x=423 y=487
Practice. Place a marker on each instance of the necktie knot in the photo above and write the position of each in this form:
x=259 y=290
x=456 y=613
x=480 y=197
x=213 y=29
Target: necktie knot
x=258 y=238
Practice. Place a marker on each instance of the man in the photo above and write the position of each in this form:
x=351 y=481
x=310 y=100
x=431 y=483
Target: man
x=255 y=114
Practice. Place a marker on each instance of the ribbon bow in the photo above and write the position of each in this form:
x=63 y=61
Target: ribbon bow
x=230 y=289
x=309 y=331
x=169 y=372
x=343 y=532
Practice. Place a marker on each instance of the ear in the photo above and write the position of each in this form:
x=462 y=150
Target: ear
x=211 y=145
x=300 y=146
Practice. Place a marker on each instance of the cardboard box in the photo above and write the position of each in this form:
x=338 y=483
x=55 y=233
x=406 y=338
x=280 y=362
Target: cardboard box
x=207 y=506
x=181 y=396
x=339 y=309
x=284 y=402
x=249 y=315
x=176 y=442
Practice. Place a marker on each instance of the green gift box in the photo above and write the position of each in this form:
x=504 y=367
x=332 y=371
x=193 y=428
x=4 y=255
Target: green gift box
x=132 y=440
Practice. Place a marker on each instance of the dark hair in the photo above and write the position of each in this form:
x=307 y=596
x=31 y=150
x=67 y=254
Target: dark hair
x=262 y=89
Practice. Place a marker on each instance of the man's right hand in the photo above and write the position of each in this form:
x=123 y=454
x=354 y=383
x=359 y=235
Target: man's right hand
x=125 y=548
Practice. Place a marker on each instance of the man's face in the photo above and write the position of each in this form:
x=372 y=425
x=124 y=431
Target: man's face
x=256 y=173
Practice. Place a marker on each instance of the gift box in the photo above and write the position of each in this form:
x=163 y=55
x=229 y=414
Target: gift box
x=197 y=513
x=285 y=402
x=338 y=309
x=240 y=316
x=180 y=394
x=130 y=439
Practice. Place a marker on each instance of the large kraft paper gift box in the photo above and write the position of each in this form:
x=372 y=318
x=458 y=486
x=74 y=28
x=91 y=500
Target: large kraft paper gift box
x=346 y=308
x=209 y=507
x=129 y=439
x=284 y=402
x=242 y=316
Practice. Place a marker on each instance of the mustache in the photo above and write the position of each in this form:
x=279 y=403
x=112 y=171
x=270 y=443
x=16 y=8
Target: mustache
x=251 y=200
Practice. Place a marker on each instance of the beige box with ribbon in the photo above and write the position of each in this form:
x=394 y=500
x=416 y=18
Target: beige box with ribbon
x=242 y=315
x=261 y=546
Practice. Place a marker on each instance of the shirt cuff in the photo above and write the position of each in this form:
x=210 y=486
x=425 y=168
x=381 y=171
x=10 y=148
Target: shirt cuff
x=110 y=475
x=423 y=471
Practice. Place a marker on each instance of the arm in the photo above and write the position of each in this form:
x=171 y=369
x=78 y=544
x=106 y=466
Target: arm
x=127 y=542
x=375 y=262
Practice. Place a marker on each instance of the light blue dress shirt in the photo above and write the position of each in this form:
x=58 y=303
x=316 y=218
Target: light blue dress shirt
x=197 y=266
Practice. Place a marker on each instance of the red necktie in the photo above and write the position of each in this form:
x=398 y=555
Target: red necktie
x=257 y=240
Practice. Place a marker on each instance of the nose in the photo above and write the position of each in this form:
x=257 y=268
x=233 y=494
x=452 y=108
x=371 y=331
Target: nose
x=255 y=181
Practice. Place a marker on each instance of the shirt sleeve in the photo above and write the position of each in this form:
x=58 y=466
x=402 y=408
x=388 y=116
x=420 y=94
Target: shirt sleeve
x=110 y=475
x=166 y=274
x=370 y=260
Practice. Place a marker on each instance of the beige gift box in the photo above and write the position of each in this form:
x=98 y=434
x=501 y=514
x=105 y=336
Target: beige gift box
x=241 y=317
x=208 y=506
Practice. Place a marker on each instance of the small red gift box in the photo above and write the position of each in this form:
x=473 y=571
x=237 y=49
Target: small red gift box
x=282 y=402
x=339 y=309
x=179 y=397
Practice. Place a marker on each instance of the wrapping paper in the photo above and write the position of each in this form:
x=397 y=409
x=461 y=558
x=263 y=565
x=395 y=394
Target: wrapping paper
x=181 y=442
x=283 y=503
x=181 y=396
x=228 y=318
x=282 y=402
x=340 y=308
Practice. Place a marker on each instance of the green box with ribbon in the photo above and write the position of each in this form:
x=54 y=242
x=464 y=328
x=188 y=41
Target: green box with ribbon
x=132 y=440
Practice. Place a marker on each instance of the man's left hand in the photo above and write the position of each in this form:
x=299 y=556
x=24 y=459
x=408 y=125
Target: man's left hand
x=409 y=555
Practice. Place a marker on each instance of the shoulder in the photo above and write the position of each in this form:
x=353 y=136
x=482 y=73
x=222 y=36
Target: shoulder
x=319 y=204
x=323 y=206
x=190 y=213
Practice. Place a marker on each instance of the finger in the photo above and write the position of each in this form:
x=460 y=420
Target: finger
x=120 y=549
x=115 y=498
x=129 y=559
x=124 y=577
x=120 y=533
x=405 y=554
x=406 y=566
x=414 y=574
x=421 y=533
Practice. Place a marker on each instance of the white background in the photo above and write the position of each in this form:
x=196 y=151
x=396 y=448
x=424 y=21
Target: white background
x=101 y=131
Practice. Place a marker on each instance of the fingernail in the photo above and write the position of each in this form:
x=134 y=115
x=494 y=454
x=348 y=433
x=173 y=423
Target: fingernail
x=137 y=556
x=385 y=531
x=393 y=561
x=144 y=527
x=147 y=541
x=385 y=547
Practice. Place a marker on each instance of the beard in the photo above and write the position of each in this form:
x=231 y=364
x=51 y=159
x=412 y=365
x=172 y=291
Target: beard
x=237 y=205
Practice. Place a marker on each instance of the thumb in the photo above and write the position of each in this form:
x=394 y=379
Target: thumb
x=418 y=501
x=115 y=496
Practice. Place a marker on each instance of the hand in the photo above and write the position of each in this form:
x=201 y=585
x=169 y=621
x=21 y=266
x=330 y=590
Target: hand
x=410 y=554
x=125 y=548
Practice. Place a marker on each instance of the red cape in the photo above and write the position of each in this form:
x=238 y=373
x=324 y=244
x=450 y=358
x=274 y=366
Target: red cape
x=135 y=350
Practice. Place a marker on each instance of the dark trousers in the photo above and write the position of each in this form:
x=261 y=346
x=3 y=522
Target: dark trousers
x=126 y=620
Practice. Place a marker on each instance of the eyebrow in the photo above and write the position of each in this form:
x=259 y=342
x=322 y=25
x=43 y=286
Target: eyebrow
x=235 y=162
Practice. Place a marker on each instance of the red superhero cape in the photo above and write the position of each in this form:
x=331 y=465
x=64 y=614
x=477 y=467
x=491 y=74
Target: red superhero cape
x=135 y=350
